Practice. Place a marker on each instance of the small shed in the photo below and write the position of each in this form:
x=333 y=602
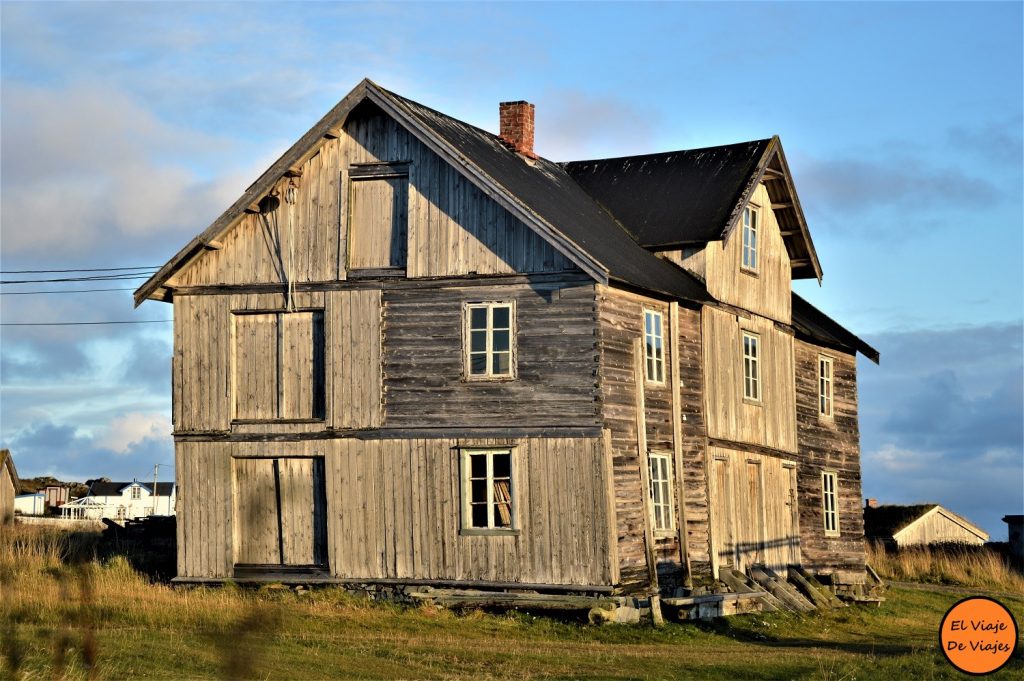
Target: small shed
x=9 y=485
x=30 y=504
x=918 y=525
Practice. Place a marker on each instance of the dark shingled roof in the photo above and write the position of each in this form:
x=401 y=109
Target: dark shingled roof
x=882 y=522
x=112 y=489
x=549 y=192
x=811 y=322
x=672 y=198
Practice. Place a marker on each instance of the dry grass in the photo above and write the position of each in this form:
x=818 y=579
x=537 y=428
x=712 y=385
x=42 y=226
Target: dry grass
x=959 y=565
x=65 y=615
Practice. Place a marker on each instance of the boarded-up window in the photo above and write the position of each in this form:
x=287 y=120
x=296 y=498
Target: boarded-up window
x=378 y=219
x=279 y=366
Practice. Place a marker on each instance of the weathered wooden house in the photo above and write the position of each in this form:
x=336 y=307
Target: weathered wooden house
x=899 y=526
x=8 y=486
x=415 y=352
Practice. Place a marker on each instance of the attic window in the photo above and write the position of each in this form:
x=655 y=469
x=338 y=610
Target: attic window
x=750 y=227
x=136 y=492
x=378 y=216
x=654 y=346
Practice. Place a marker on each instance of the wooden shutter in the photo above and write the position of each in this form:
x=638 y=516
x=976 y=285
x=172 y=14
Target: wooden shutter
x=378 y=222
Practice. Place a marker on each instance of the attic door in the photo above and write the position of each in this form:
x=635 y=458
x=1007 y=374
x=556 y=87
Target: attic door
x=280 y=513
x=378 y=217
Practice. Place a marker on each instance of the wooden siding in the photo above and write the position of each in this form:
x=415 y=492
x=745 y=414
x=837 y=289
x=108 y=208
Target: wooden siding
x=7 y=494
x=766 y=292
x=621 y=318
x=769 y=422
x=217 y=377
x=754 y=517
x=939 y=526
x=454 y=229
x=393 y=510
x=829 y=444
x=556 y=365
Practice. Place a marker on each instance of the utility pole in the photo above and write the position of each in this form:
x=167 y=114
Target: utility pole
x=156 y=469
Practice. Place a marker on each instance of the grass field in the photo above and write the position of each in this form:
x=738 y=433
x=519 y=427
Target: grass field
x=63 y=617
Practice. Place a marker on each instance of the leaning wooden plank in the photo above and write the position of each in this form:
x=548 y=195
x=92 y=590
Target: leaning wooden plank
x=742 y=584
x=813 y=581
x=788 y=588
x=807 y=589
x=775 y=588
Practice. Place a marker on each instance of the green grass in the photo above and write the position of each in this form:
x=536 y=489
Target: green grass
x=150 y=631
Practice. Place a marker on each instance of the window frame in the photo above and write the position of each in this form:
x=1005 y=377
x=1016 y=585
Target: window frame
x=753 y=361
x=668 y=503
x=831 y=528
x=752 y=245
x=466 y=526
x=467 y=337
x=654 y=362
x=826 y=388
x=136 y=493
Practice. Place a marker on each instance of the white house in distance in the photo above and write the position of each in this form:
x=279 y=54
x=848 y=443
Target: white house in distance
x=122 y=501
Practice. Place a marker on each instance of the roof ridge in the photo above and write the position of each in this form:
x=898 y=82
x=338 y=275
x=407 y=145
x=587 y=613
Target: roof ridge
x=666 y=153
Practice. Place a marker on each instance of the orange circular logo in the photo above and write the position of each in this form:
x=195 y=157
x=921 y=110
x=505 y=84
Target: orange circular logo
x=978 y=635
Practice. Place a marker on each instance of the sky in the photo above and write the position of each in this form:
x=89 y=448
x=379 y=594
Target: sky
x=126 y=128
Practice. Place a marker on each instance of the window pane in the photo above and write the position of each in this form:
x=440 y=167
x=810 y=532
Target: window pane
x=502 y=363
x=478 y=317
x=479 y=515
x=478 y=364
x=478 y=490
x=648 y=324
x=478 y=341
x=502 y=464
x=500 y=341
x=657 y=326
x=501 y=317
x=478 y=466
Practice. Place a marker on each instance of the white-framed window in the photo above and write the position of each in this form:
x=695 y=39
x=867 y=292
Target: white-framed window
x=487 y=502
x=660 y=465
x=829 y=506
x=136 y=492
x=824 y=386
x=750 y=227
x=751 y=366
x=654 y=346
x=490 y=340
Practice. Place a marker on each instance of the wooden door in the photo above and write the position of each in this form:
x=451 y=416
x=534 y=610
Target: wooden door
x=280 y=512
x=722 y=524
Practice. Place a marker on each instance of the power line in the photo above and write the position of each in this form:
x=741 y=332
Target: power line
x=78 y=324
x=77 y=290
x=97 y=269
x=111 y=277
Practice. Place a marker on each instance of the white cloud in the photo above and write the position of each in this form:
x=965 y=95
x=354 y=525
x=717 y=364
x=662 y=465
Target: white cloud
x=128 y=431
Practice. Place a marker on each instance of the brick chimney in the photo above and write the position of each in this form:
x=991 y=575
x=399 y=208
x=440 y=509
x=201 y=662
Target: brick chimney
x=871 y=503
x=516 y=128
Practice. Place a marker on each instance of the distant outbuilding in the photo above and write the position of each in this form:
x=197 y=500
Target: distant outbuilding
x=919 y=524
x=8 y=486
x=1015 y=532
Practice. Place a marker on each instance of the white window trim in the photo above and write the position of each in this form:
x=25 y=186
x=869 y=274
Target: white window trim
x=668 y=503
x=753 y=228
x=755 y=364
x=654 y=361
x=467 y=341
x=466 y=492
x=833 y=512
x=826 y=387
x=136 y=492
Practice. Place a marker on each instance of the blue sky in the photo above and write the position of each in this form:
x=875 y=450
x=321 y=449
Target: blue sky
x=126 y=128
